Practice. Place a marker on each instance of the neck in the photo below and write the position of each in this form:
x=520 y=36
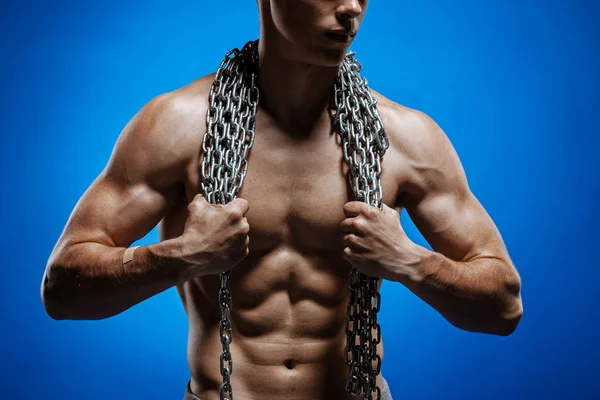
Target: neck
x=296 y=95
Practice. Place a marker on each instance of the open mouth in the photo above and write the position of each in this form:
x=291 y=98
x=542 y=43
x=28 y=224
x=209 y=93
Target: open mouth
x=340 y=37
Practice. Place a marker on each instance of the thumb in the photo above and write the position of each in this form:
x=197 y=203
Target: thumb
x=392 y=211
x=200 y=201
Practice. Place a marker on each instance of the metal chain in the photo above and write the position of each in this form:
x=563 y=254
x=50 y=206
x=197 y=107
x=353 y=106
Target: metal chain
x=230 y=134
x=364 y=143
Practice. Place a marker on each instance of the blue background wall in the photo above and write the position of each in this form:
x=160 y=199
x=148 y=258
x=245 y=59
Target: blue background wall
x=513 y=83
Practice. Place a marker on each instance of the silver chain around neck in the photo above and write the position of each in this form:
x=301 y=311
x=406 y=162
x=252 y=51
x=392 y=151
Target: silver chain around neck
x=230 y=134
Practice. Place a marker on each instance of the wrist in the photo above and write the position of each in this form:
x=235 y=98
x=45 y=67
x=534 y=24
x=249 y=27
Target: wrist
x=413 y=268
x=167 y=254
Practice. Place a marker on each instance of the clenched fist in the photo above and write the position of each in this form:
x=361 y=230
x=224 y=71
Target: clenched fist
x=215 y=237
x=376 y=244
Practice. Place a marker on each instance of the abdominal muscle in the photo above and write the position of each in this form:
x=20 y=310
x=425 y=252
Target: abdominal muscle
x=288 y=320
x=290 y=295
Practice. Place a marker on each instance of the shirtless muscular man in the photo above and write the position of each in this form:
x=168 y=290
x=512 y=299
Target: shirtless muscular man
x=289 y=283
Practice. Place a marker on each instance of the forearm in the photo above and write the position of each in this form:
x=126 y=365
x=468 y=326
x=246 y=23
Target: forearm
x=479 y=295
x=89 y=280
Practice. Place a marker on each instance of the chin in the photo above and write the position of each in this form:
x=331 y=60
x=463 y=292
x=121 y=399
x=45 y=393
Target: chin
x=322 y=53
x=327 y=56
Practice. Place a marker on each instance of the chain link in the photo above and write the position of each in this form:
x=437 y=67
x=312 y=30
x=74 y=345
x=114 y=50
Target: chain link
x=231 y=122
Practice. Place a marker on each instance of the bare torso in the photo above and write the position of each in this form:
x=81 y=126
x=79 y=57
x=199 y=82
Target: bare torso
x=290 y=295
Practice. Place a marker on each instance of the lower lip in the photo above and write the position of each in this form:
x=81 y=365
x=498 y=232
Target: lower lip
x=339 y=38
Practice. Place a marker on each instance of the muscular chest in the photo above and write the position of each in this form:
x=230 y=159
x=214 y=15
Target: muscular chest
x=297 y=190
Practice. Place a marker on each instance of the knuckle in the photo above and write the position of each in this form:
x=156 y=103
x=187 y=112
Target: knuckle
x=192 y=206
x=199 y=199
x=370 y=213
x=239 y=203
x=245 y=229
x=197 y=203
x=243 y=202
x=357 y=223
x=235 y=213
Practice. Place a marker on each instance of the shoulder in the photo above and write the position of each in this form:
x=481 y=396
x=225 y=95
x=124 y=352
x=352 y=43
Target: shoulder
x=427 y=153
x=178 y=112
x=409 y=130
x=165 y=134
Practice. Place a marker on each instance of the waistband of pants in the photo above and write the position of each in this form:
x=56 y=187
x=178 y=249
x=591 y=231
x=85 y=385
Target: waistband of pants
x=385 y=390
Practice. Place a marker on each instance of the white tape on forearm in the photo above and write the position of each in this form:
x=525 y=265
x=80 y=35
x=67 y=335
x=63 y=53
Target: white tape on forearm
x=128 y=255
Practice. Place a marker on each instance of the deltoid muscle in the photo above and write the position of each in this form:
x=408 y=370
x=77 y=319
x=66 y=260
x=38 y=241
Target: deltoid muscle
x=230 y=134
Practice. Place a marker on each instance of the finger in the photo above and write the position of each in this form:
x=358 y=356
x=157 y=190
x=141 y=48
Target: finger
x=347 y=253
x=245 y=225
x=240 y=204
x=395 y=210
x=199 y=202
x=352 y=255
x=355 y=243
x=351 y=225
x=200 y=197
x=240 y=239
x=347 y=225
x=241 y=228
x=353 y=208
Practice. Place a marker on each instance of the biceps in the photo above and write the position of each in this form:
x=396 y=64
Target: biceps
x=117 y=214
x=456 y=226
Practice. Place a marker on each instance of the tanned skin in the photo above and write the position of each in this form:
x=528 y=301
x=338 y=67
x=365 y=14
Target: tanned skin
x=294 y=233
